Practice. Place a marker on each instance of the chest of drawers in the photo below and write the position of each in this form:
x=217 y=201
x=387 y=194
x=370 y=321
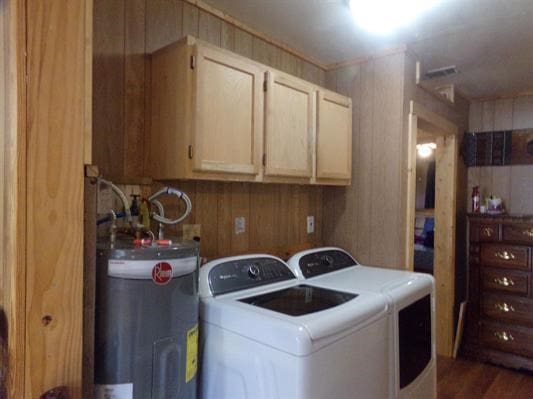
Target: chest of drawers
x=499 y=324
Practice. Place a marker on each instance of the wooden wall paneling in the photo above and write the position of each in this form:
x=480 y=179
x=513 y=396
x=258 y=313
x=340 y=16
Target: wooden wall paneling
x=310 y=72
x=163 y=24
x=475 y=117
x=475 y=124
x=262 y=213
x=56 y=131
x=317 y=202
x=240 y=207
x=207 y=217
x=304 y=211
x=225 y=221
x=487 y=116
x=135 y=83
x=385 y=167
x=331 y=80
x=282 y=220
x=521 y=189
x=227 y=36
x=209 y=28
x=243 y=43
x=363 y=178
x=501 y=176
x=108 y=87
x=190 y=19
x=263 y=52
x=503 y=114
x=523 y=112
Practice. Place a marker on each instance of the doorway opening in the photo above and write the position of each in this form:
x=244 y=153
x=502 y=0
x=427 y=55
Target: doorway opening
x=431 y=214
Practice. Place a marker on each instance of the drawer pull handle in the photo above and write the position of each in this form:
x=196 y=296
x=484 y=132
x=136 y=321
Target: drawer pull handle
x=506 y=282
x=505 y=255
x=503 y=307
x=487 y=231
x=528 y=233
x=504 y=336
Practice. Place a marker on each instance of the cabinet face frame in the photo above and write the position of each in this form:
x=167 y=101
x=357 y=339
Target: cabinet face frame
x=272 y=141
x=200 y=95
x=322 y=135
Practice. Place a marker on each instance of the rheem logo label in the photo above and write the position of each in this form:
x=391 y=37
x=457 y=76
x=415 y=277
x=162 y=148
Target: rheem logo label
x=162 y=273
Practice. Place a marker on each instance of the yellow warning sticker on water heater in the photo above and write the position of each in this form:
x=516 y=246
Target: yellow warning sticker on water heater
x=192 y=353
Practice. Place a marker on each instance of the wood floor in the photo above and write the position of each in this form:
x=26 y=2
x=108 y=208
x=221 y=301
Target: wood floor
x=464 y=379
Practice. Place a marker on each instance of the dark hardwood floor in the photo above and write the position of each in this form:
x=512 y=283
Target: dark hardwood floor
x=465 y=379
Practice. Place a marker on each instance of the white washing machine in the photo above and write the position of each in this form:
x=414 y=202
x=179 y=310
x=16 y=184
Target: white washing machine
x=266 y=335
x=412 y=366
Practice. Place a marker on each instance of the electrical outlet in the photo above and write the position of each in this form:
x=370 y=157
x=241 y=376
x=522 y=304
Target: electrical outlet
x=310 y=224
x=190 y=231
x=240 y=224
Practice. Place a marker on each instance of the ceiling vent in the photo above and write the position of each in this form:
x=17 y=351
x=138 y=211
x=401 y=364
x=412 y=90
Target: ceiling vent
x=441 y=72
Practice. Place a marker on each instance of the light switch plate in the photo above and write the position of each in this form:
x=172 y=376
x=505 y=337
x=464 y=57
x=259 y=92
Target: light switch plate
x=240 y=225
x=310 y=224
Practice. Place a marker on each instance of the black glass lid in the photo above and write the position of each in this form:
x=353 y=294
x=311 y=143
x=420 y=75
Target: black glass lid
x=299 y=300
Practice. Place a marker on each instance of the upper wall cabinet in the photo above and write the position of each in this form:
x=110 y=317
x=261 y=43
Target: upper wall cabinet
x=220 y=116
x=227 y=112
x=289 y=126
x=334 y=137
x=207 y=114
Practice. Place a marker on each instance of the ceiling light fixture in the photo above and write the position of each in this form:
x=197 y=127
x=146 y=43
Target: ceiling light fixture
x=425 y=150
x=385 y=16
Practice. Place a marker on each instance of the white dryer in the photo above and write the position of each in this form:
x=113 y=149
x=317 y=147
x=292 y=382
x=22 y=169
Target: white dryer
x=412 y=366
x=265 y=335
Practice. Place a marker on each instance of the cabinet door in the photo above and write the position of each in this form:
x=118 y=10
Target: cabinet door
x=228 y=113
x=334 y=136
x=289 y=126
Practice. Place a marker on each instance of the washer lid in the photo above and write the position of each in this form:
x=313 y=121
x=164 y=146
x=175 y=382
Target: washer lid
x=299 y=300
x=296 y=335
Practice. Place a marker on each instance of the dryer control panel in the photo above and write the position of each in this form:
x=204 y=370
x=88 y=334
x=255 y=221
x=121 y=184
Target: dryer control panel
x=242 y=274
x=317 y=263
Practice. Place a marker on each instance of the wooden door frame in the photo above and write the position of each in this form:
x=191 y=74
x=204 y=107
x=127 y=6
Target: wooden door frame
x=446 y=157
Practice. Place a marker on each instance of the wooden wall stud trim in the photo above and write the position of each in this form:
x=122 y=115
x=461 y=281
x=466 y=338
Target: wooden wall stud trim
x=13 y=256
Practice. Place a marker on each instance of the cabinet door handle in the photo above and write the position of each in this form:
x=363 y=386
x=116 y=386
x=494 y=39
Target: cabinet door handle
x=504 y=336
x=505 y=255
x=487 y=231
x=503 y=307
x=506 y=282
x=528 y=233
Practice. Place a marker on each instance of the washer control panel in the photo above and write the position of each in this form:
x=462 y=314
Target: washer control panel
x=326 y=261
x=242 y=274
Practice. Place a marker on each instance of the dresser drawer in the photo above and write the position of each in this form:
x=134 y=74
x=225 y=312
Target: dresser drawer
x=508 y=309
x=518 y=340
x=511 y=282
x=484 y=232
x=518 y=232
x=503 y=255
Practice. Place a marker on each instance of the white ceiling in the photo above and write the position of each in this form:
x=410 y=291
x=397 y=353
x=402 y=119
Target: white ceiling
x=490 y=41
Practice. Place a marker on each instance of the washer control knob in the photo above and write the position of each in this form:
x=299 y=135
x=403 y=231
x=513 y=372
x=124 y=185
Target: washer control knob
x=253 y=271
